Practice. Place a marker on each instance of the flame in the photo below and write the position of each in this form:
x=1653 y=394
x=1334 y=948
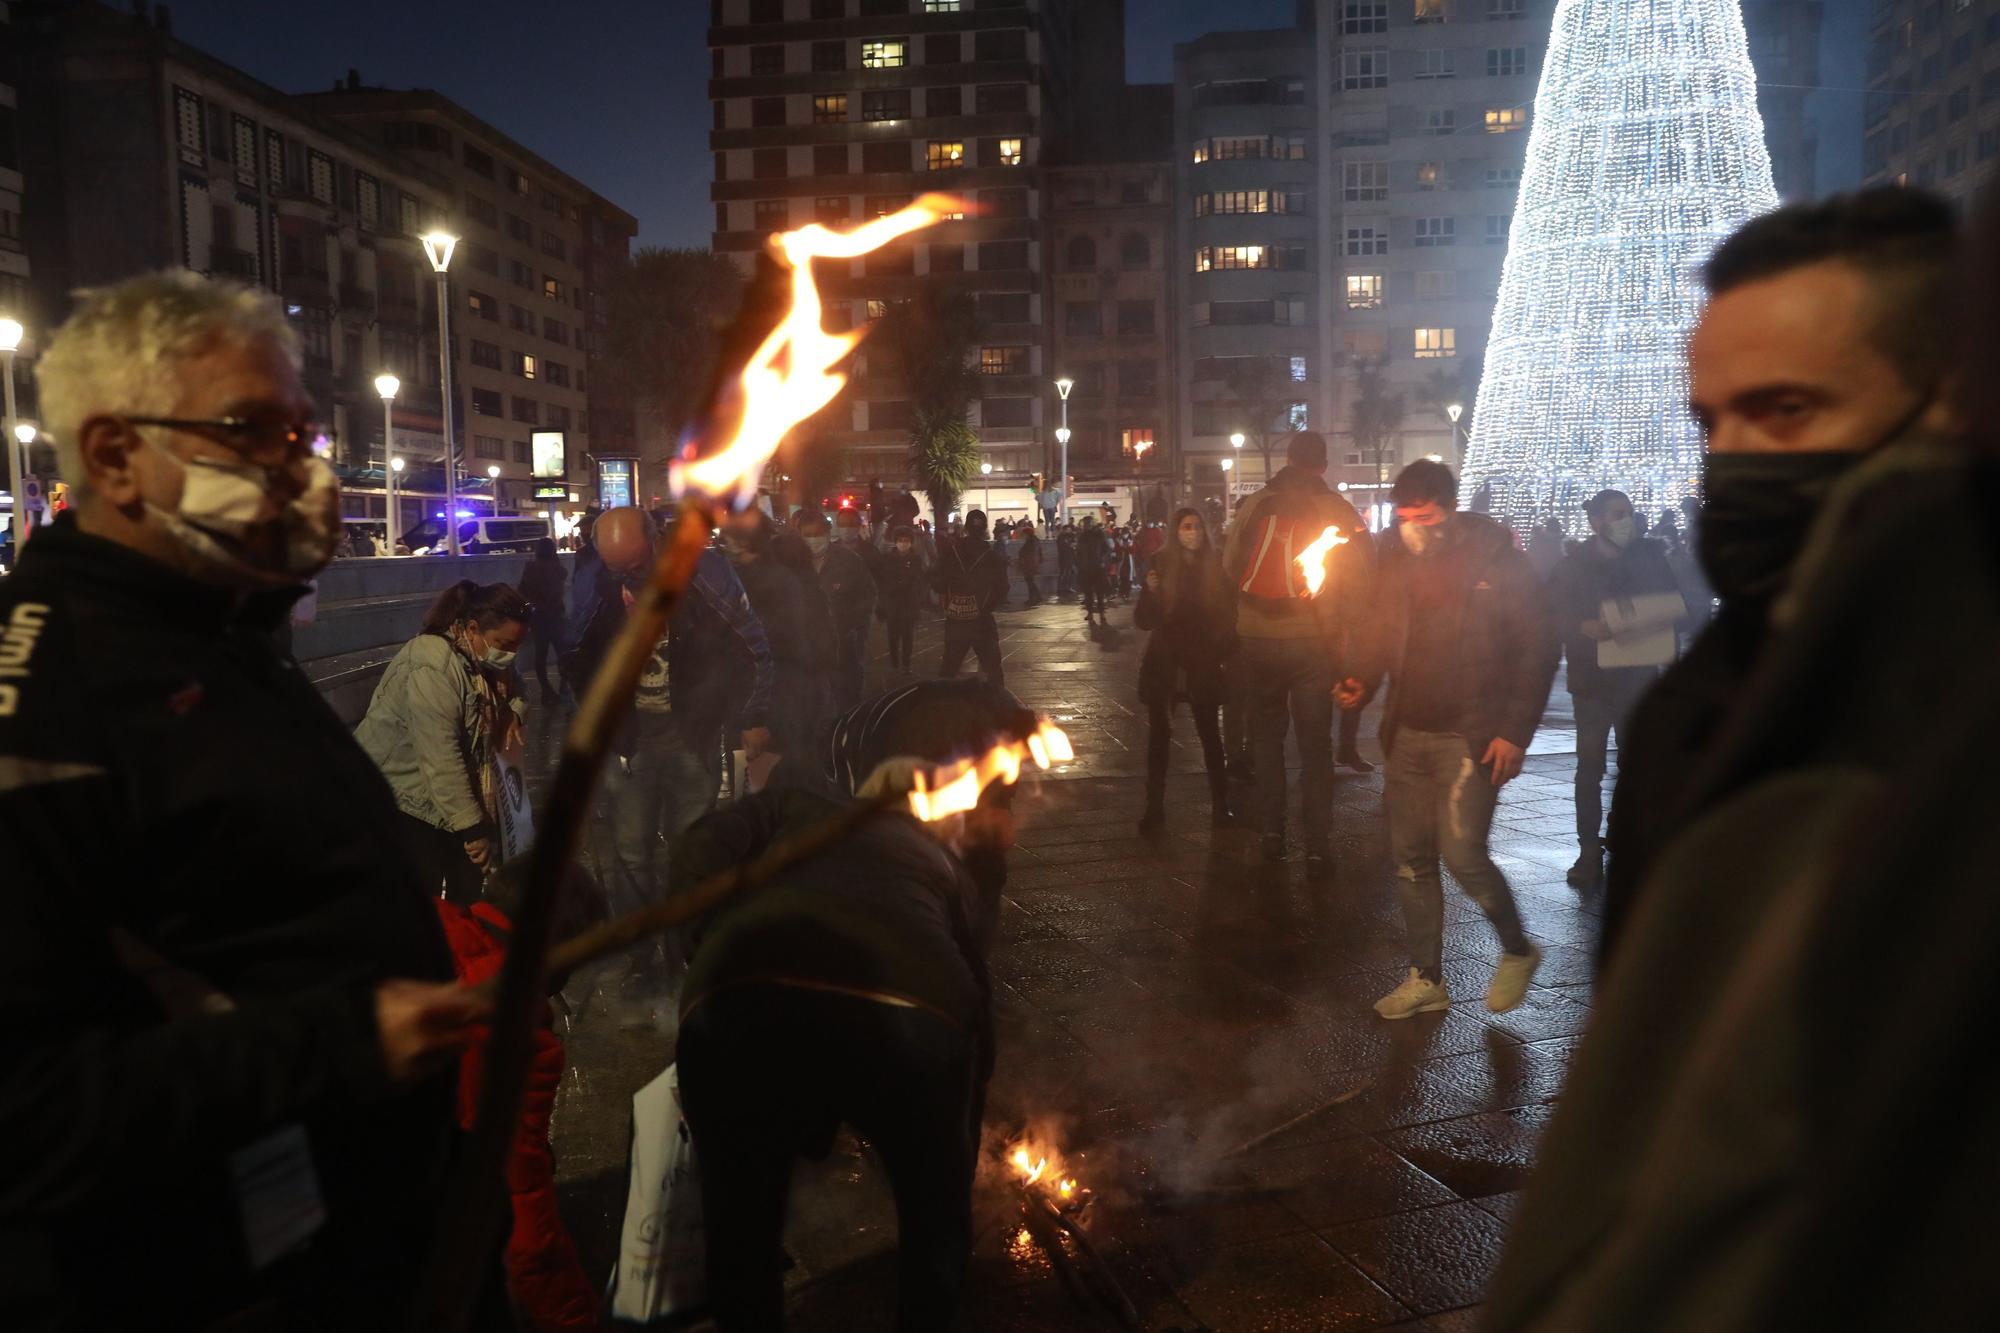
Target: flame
x=774 y=400
x=1038 y=1164
x=1029 y=1173
x=1312 y=561
x=956 y=789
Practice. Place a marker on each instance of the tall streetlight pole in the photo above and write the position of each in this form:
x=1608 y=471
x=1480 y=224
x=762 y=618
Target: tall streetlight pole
x=1228 y=464
x=10 y=340
x=438 y=246
x=1063 y=386
x=986 y=471
x=1455 y=411
x=387 y=385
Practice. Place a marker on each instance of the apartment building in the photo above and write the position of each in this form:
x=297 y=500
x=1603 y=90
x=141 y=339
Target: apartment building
x=1111 y=294
x=13 y=236
x=1932 y=113
x=843 y=110
x=1785 y=38
x=527 y=313
x=1250 y=217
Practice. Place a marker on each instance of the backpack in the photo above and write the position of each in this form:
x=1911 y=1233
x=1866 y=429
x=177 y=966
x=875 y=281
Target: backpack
x=1285 y=525
x=964 y=605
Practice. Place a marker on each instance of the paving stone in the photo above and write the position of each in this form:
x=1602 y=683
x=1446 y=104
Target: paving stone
x=1432 y=1260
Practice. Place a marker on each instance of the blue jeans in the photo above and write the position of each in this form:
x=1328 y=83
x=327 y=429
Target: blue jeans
x=652 y=798
x=1598 y=717
x=1442 y=801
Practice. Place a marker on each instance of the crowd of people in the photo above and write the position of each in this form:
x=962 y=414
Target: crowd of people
x=237 y=1066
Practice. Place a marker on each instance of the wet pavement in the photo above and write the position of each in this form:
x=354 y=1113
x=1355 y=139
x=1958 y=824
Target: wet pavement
x=1160 y=1003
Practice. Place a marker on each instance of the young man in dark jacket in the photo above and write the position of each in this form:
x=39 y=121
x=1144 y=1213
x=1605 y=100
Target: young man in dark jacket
x=971 y=579
x=789 y=606
x=1460 y=626
x=224 y=995
x=900 y=583
x=1093 y=557
x=853 y=990
x=850 y=596
x=1618 y=606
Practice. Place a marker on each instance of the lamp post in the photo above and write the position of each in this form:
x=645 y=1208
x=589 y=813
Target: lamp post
x=10 y=340
x=387 y=385
x=1455 y=411
x=438 y=246
x=1228 y=465
x=1063 y=386
x=493 y=476
x=986 y=471
x=396 y=470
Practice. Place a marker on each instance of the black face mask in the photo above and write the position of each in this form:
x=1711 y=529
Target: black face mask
x=1757 y=511
x=1758 y=508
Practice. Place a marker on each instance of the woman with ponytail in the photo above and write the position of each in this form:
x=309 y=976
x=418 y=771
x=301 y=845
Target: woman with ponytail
x=437 y=718
x=1186 y=603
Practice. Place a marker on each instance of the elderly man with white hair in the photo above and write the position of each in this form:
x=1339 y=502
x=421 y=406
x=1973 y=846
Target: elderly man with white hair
x=225 y=1091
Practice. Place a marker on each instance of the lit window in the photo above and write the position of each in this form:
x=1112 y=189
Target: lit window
x=1003 y=360
x=1298 y=368
x=1430 y=11
x=829 y=108
x=942 y=156
x=1010 y=152
x=1366 y=68
x=877 y=309
x=884 y=55
x=1364 y=291
x=1136 y=441
x=1299 y=416
x=527 y=366
x=1500 y=120
x=1231 y=256
x=1435 y=343
x=1431 y=176
x=941 y=6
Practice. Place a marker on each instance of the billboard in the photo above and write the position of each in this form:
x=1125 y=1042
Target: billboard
x=551 y=454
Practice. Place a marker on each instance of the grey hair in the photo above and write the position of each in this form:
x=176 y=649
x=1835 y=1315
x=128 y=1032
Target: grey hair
x=121 y=348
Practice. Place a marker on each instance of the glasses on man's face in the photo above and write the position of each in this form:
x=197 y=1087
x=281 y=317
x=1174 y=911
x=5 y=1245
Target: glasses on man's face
x=266 y=440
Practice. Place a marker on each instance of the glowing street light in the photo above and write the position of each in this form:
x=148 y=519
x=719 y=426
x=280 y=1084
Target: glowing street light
x=1063 y=386
x=389 y=386
x=11 y=334
x=986 y=471
x=438 y=247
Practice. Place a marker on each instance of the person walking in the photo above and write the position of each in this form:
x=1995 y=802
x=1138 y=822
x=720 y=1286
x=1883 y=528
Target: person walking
x=1066 y=560
x=1618 y=606
x=545 y=584
x=971 y=579
x=1186 y=604
x=850 y=597
x=1030 y=561
x=1462 y=629
x=1093 y=555
x=1290 y=645
x=230 y=1014
x=434 y=724
x=901 y=585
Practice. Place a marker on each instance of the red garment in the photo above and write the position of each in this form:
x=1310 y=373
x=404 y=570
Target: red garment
x=544 y=1275
x=1150 y=542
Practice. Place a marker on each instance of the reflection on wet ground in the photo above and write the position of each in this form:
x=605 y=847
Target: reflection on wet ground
x=1162 y=1003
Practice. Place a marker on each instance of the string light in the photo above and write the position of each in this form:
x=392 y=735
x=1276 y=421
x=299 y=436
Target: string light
x=1645 y=152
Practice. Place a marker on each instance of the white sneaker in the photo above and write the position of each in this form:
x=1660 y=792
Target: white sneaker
x=1511 y=978
x=1415 y=996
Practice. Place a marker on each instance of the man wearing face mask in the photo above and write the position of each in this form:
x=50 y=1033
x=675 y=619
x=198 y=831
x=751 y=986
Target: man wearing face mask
x=226 y=997
x=1460 y=626
x=1618 y=606
x=667 y=755
x=1821 y=345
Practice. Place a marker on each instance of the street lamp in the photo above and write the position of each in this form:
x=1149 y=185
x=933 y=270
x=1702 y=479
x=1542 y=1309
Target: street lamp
x=10 y=340
x=1228 y=464
x=986 y=471
x=388 y=385
x=1063 y=386
x=1455 y=411
x=438 y=246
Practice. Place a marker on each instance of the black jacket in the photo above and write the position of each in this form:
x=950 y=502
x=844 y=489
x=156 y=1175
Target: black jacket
x=1505 y=641
x=1581 y=584
x=848 y=586
x=899 y=579
x=971 y=565
x=1189 y=639
x=165 y=772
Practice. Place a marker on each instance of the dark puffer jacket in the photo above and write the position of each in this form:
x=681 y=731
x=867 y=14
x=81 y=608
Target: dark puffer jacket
x=1191 y=635
x=1505 y=640
x=1578 y=589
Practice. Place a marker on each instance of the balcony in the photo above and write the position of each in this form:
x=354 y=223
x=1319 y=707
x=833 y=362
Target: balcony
x=229 y=262
x=356 y=297
x=307 y=287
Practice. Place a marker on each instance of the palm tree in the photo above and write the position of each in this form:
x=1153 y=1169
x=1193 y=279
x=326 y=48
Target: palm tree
x=931 y=337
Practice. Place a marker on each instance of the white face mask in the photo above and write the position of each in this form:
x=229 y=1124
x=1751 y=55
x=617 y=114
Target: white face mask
x=221 y=504
x=1620 y=531
x=817 y=545
x=1421 y=540
x=499 y=658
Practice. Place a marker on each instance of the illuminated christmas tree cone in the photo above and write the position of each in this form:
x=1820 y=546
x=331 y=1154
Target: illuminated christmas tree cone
x=1645 y=151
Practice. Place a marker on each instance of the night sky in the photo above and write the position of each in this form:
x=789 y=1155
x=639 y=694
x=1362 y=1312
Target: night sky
x=612 y=91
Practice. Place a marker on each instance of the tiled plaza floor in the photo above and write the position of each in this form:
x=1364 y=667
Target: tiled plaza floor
x=1160 y=1003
